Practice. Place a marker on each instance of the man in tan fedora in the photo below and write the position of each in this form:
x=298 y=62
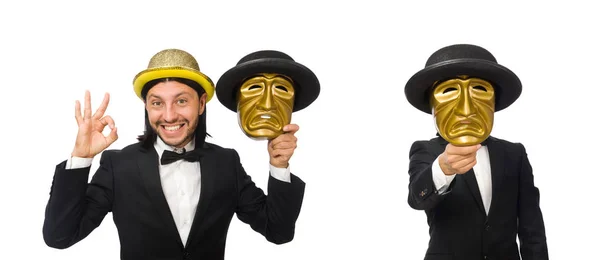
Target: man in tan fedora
x=172 y=195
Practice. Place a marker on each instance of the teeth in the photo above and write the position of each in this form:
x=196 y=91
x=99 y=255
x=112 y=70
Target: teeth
x=265 y=116
x=172 y=128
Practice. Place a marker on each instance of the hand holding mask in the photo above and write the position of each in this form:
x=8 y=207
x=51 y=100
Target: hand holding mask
x=265 y=88
x=463 y=86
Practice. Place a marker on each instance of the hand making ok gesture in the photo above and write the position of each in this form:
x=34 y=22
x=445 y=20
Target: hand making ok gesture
x=90 y=140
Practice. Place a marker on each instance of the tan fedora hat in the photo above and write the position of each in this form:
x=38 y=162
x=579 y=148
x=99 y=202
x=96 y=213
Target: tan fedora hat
x=171 y=63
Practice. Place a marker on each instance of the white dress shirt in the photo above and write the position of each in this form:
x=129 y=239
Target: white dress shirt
x=180 y=183
x=483 y=174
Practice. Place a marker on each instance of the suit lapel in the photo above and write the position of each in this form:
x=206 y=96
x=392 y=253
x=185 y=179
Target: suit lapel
x=208 y=169
x=471 y=180
x=496 y=154
x=148 y=164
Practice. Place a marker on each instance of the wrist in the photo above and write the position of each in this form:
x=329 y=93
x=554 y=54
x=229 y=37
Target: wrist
x=279 y=165
x=79 y=155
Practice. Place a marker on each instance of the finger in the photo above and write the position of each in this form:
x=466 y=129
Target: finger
x=291 y=128
x=283 y=138
x=466 y=168
x=87 y=106
x=462 y=150
x=108 y=120
x=453 y=158
x=284 y=145
x=78 y=117
x=112 y=136
x=270 y=145
x=100 y=111
x=463 y=163
x=462 y=153
x=282 y=152
x=273 y=142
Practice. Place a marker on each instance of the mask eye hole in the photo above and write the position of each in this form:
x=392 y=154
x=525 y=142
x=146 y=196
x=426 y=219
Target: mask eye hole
x=281 y=88
x=449 y=90
x=481 y=88
x=253 y=87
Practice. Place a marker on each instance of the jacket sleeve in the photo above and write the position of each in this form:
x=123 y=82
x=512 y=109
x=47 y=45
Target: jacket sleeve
x=274 y=216
x=532 y=234
x=75 y=208
x=422 y=193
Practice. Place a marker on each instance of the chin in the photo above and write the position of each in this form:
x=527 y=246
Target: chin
x=262 y=134
x=173 y=141
x=466 y=140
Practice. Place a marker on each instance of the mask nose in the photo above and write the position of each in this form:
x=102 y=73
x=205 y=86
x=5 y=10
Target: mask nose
x=465 y=104
x=266 y=100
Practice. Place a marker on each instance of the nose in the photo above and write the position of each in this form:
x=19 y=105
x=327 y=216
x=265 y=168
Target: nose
x=465 y=104
x=170 y=114
x=266 y=100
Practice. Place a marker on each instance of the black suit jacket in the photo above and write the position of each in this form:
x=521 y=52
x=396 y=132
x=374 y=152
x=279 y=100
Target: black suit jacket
x=458 y=225
x=127 y=183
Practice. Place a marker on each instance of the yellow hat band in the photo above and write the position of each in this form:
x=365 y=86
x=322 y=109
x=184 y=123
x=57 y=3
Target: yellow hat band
x=173 y=72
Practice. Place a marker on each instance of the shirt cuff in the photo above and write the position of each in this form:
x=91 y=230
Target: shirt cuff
x=282 y=174
x=440 y=180
x=78 y=162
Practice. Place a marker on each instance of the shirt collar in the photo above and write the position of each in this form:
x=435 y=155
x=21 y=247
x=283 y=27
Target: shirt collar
x=160 y=146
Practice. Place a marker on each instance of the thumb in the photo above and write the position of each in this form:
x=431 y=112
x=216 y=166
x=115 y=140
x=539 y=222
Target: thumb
x=291 y=128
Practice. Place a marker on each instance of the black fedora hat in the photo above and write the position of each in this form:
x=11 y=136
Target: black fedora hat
x=306 y=84
x=462 y=59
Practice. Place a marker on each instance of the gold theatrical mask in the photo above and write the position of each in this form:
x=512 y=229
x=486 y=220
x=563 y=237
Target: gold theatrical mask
x=265 y=105
x=463 y=109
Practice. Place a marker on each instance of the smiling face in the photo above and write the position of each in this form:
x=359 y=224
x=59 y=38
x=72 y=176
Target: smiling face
x=463 y=109
x=173 y=110
x=265 y=105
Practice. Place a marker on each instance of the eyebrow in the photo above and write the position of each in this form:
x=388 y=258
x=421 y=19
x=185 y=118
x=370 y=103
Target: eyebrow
x=178 y=94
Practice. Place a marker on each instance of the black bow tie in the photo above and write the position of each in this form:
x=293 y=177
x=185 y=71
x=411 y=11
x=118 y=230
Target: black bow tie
x=170 y=156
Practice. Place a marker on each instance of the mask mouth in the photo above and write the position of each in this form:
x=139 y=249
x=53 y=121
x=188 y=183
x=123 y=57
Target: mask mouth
x=466 y=127
x=265 y=121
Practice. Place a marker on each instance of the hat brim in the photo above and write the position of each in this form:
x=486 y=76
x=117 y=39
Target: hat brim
x=173 y=72
x=507 y=86
x=306 y=84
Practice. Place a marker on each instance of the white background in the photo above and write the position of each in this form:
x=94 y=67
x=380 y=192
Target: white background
x=354 y=140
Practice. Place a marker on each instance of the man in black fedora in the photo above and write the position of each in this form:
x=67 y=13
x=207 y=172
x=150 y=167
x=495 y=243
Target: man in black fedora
x=477 y=191
x=265 y=88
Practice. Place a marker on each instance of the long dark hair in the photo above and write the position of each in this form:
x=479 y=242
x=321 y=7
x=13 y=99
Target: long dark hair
x=149 y=137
